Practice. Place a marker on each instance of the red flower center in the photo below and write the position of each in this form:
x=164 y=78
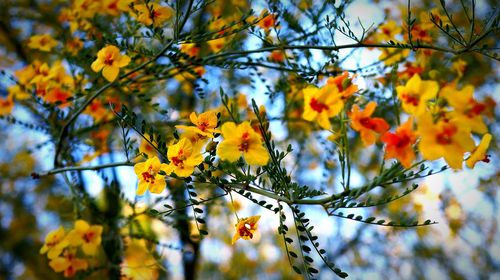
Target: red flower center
x=244 y=144
x=445 y=137
x=245 y=230
x=148 y=176
x=411 y=99
x=317 y=106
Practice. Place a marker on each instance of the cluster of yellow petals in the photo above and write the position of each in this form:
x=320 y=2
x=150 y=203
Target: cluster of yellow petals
x=153 y=14
x=51 y=83
x=110 y=60
x=61 y=249
x=205 y=124
x=43 y=42
x=245 y=228
x=415 y=94
x=241 y=140
x=183 y=158
x=444 y=138
x=148 y=174
x=321 y=104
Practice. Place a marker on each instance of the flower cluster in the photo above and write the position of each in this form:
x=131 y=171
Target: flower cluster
x=62 y=249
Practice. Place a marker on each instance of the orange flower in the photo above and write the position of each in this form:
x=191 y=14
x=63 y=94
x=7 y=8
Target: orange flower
x=58 y=95
x=344 y=84
x=368 y=127
x=245 y=228
x=6 y=105
x=267 y=22
x=399 y=144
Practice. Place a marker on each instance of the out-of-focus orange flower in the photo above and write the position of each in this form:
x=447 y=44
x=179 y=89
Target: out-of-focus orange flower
x=367 y=126
x=6 y=105
x=344 y=85
x=399 y=144
x=267 y=22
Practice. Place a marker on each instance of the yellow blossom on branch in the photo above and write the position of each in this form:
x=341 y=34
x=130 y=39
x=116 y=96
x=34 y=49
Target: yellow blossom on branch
x=149 y=178
x=320 y=104
x=68 y=263
x=444 y=138
x=205 y=124
x=467 y=111
x=153 y=14
x=479 y=153
x=88 y=236
x=415 y=94
x=55 y=242
x=43 y=42
x=183 y=158
x=242 y=140
x=245 y=228
x=109 y=60
x=6 y=105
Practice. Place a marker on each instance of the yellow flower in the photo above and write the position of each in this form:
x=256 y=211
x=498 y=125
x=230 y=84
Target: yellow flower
x=138 y=262
x=153 y=14
x=68 y=263
x=391 y=56
x=42 y=42
x=416 y=93
x=146 y=147
x=468 y=111
x=245 y=228
x=109 y=60
x=205 y=124
x=479 y=153
x=147 y=172
x=387 y=31
x=320 y=104
x=217 y=44
x=183 y=158
x=55 y=243
x=242 y=139
x=445 y=138
x=86 y=235
x=367 y=126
